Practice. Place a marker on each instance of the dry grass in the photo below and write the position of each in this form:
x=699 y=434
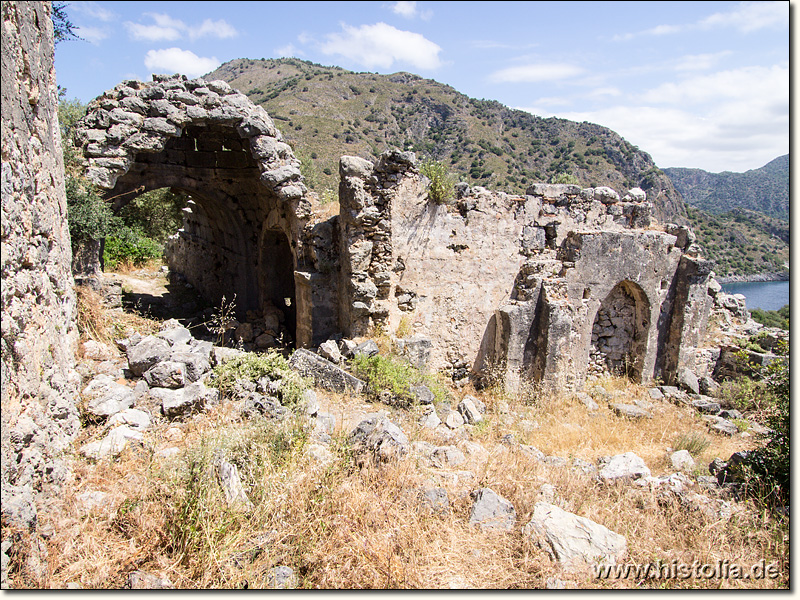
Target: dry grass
x=96 y=322
x=340 y=526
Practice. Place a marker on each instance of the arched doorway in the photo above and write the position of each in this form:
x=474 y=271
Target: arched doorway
x=619 y=333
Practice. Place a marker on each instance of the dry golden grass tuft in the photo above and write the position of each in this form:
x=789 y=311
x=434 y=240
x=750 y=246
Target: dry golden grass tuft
x=342 y=526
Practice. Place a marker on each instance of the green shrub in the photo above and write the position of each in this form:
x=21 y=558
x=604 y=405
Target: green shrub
x=395 y=375
x=768 y=466
x=772 y=318
x=89 y=216
x=251 y=366
x=564 y=178
x=131 y=246
x=442 y=184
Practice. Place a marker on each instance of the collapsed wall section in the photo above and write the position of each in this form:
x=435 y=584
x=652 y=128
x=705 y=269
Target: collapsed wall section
x=39 y=332
x=553 y=287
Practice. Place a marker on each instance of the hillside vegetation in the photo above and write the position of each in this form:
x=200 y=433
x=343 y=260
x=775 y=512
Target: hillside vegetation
x=764 y=190
x=327 y=112
x=741 y=219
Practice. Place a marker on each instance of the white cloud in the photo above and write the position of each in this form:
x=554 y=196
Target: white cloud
x=152 y=33
x=382 y=46
x=700 y=62
x=175 y=60
x=93 y=35
x=748 y=84
x=288 y=50
x=409 y=11
x=749 y=16
x=93 y=10
x=535 y=72
x=218 y=29
x=405 y=9
x=166 y=28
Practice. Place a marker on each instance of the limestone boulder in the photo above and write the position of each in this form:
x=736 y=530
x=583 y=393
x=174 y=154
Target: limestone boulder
x=575 y=542
x=378 y=437
x=622 y=467
x=492 y=511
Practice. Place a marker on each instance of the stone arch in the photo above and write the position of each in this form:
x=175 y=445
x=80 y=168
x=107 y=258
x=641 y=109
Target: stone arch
x=619 y=332
x=207 y=140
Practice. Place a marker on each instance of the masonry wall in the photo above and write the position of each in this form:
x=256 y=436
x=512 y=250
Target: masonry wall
x=513 y=285
x=39 y=333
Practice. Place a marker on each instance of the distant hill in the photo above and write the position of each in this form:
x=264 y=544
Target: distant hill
x=764 y=190
x=327 y=112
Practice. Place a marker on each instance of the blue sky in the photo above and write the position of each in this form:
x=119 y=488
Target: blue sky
x=695 y=84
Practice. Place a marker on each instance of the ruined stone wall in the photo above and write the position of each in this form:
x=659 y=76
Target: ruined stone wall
x=515 y=284
x=39 y=333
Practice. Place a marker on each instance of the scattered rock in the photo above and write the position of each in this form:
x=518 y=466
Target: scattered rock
x=469 y=411
x=281 y=578
x=166 y=374
x=630 y=411
x=378 y=436
x=113 y=444
x=330 y=351
x=422 y=394
x=445 y=457
x=429 y=419
x=492 y=511
x=705 y=405
x=575 y=542
x=231 y=484
x=434 y=499
x=588 y=401
x=621 y=467
x=682 y=460
x=141 y=580
x=688 y=381
x=368 y=348
x=137 y=419
x=453 y=419
x=149 y=351
x=655 y=394
x=324 y=372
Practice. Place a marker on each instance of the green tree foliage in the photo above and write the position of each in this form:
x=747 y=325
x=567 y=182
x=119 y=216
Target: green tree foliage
x=157 y=214
x=63 y=28
x=442 y=184
x=565 y=178
x=769 y=464
x=90 y=218
x=772 y=318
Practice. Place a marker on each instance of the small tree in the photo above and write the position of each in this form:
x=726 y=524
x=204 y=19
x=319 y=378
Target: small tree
x=63 y=28
x=442 y=184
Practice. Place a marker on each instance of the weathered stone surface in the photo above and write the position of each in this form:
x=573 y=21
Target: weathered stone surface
x=623 y=467
x=469 y=411
x=688 y=381
x=149 y=351
x=330 y=351
x=38 y=298
x=630 y=411
x=422 y=394
x=434 y=499
x=115 y=398
x=142 y=580
x=231 y=484
x=682 y=460
x=324 y=372
x=281 y=578
x=112 y=444
x=575 y=542
x=492 y=511
x=166 y=374
x=447 y=457
x=379 y=438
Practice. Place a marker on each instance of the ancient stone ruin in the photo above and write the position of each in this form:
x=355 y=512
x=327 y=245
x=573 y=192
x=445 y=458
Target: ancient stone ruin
x=550 y=287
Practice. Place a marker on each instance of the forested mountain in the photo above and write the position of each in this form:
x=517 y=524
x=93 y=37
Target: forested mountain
x=327 y=112
x=764 y=190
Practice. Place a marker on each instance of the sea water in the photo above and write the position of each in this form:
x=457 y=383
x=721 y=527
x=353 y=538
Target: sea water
x=766 y=295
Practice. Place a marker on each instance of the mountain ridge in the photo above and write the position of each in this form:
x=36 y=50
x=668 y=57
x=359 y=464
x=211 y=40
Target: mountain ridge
x=764 y=190
x=326 y=112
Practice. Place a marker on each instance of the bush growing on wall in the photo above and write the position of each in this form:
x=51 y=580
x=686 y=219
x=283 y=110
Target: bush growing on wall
x=442 y=184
